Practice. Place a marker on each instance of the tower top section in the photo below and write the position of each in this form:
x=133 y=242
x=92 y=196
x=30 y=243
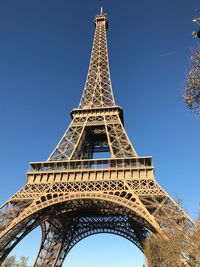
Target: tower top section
x=102 y=17
x=97 y=92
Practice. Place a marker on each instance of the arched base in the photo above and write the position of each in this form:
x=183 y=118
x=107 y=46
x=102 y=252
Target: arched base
x=88 y=218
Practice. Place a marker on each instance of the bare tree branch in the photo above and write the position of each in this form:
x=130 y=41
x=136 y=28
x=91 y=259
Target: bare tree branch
x=192 y=90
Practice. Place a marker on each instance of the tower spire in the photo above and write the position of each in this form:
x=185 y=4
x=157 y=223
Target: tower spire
x=98 y=88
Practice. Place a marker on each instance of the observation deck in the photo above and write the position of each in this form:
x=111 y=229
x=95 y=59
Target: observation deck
x=92 y=169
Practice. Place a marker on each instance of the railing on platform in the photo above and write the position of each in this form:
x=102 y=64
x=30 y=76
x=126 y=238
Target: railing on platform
x=90 y=164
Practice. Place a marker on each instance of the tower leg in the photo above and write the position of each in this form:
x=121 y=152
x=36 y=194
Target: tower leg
x=51 y=245
x=62 y=255
x=9 y=241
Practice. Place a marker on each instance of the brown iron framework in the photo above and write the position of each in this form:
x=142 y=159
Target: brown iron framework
x=72 y=195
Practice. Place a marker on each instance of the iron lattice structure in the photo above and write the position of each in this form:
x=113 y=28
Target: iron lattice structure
x=72 y=195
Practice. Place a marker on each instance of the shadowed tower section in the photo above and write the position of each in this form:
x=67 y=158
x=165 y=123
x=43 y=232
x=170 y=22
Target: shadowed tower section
x=72 y=194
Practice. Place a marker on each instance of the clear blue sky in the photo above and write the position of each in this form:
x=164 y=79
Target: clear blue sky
x=45 y=47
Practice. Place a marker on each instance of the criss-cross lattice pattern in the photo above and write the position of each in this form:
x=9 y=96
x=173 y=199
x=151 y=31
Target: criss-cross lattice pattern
x=69 y=232
x=69 y=212
x=65 y=148
x=98 y=88
x=84 y=133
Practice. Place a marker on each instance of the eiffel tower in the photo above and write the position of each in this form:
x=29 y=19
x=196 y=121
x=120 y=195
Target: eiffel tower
x=73 y=195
